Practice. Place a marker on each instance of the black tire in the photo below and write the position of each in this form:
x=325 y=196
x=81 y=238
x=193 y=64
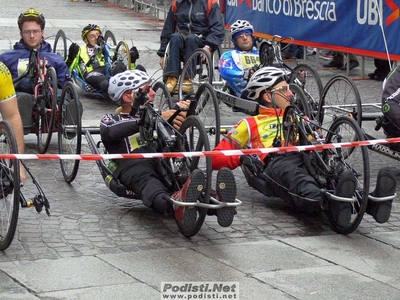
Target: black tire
x=266 y=54
x=198 y=68
x=165 y=64
x=340 y=97
x=207 y=110
x=9 y=186
x=109 y=38
x=345 y=129
x=47 y=110
x=123 y=54
x=162 y=98
x=300 y=100
x=69 y=130
x=194 y=138
x=309 y=80
x=60 y=44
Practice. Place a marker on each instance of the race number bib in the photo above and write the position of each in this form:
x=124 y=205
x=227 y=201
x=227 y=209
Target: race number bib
x=249 y=60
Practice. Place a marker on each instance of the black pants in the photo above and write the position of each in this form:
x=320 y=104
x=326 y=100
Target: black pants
x=98 y=79
x=289 y=180
x=140 y=176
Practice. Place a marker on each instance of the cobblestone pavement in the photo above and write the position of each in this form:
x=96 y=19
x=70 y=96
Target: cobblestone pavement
x=87 y=219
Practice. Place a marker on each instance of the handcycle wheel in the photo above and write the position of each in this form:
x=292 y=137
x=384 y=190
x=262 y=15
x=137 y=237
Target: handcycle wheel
x=60 y=44
x=308 y=79
x=194 y=138
x=47 y=108
x=69 y=130
x=109 y=38
x=9 y=186
x=215 y=56
x=345 y=129
x=162 y=98
x=340 y=97
x=165 y=64
x=123 y=54
x=300 y=99
x=197 y=70
x=207 y=110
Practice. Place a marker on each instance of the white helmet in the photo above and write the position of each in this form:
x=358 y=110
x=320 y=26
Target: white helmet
x=238 y=26
x=126 y=81
x=263 y=79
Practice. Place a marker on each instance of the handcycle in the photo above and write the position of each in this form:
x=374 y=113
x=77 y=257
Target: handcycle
x=45 y=99
x=325 y=164
x=161 y=134
x=10 y=193
x=114 y=54
x=45 y=117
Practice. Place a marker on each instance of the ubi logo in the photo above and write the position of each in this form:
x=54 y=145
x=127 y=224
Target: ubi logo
x=239 y=2
x=371 y=11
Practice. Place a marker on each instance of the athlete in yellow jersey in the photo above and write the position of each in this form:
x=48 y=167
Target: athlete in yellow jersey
x=9 y=110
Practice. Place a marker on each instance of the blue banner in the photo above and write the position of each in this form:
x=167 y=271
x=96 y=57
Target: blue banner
x=361 y=27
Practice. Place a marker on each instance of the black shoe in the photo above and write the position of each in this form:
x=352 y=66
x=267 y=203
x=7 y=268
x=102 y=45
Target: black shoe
x=341 y=210
x=353 y=64
x=226 y=192
x=385 y=186
x=333 y=64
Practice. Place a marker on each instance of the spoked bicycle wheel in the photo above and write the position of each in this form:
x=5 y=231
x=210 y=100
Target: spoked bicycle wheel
x=345 y=129
x=306 y=77
x=340 y=98
x=69 y=130
x=207 y=110
x=300 y=100
x=9 y=186
x=109 y=38
x=47 y=107
x=162 y=98
x=123 y=54
x=60 y=44
x=197 y=70
x=194 y=138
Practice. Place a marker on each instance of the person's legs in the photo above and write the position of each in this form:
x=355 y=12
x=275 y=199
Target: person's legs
x=142 y=178
x=385 y=186
x=176 y=46
x=98 y=81
x=25 y=106
x=192 y=43
x=336 y=62
x=289 y=180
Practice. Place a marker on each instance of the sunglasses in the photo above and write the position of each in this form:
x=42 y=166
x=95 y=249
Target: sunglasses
x=282 y=89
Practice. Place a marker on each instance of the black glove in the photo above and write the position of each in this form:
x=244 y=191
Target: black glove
x=100 y=41
x=73 y=51
x=134 y=54
x=253 y=162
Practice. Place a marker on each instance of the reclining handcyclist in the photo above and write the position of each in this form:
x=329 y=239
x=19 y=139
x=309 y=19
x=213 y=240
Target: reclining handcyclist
x=90 y=62
x=286 y=173
x=120 y=134
x=31 y=24
x=238 y=64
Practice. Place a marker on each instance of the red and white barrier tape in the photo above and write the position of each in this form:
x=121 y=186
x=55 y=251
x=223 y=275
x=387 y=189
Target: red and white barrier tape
x=198 y=153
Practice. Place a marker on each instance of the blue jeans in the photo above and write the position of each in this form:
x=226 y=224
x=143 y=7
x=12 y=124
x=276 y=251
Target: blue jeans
x=180 y=48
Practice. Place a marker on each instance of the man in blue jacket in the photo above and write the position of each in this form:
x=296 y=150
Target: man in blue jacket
x=189 y=25
x=31 y=24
